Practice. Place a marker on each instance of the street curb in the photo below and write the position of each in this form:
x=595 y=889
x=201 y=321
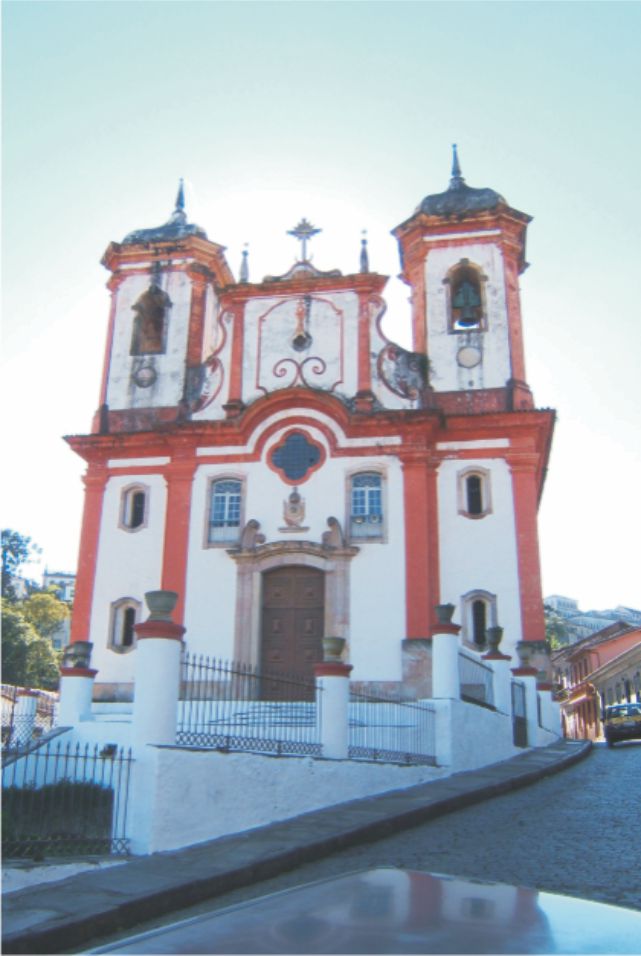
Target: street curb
x=108 y=915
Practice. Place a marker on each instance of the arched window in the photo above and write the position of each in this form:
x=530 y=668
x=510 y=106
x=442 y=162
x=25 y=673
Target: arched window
x=224 y=511
x=150 y=322
x=479 y=613
x=125 y=613
x=466 y=297
x=479 y=622
x=474 y=499
x=133 y=508
x=366 y=506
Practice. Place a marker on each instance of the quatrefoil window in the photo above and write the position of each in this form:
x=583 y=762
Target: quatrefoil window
x=296 y=457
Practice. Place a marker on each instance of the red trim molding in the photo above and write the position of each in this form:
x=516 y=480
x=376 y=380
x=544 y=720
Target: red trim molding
x=77 y=672
x=454 y=629
x=332 y=669
x=496 y=657
x=159 y=629
x=524 y=671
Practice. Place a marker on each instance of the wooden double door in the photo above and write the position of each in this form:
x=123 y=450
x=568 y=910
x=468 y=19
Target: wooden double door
x=292 y=628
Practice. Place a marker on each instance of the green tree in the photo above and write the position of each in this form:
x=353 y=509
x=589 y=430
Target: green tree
x=45 y=612
x=17 y=549
x=28 y=659
x=556 y=631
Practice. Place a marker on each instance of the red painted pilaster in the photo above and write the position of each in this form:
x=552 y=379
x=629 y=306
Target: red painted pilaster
x=525 y=492
x=421 y=543
x=179 y=477
x=364 y=366
x=94 y=480
x=113 y=285
x=235 y=401
x=196 y=319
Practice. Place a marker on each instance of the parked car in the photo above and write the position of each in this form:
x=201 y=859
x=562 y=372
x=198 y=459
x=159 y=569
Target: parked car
x=389 y=910
x=622 y=722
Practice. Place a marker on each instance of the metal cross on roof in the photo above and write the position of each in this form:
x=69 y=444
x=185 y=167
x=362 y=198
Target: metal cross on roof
x=303 y=232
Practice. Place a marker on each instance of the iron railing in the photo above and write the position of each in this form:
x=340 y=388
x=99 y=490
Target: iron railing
x=476 y=680
x=65 y=799
x=18 y=729
x=519 y=714
x=232 y=706
x=387 y=728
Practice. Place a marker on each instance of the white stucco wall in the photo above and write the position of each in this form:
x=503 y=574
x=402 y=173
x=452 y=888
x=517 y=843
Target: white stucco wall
x=129 y=563
x=231 y=793
x=480 y=553
x=122 y=392
x=442 y=345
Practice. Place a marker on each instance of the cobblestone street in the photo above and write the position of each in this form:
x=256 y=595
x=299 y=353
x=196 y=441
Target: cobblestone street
x=577 y=833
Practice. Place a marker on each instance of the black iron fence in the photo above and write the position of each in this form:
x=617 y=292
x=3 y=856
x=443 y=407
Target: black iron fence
x=519 y=714
x=476 y=681
x=20 y=729
x=385 y=727
x=65 y=799
x=231 y=706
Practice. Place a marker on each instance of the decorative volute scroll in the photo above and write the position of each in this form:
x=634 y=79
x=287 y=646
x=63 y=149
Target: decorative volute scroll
x=251 y=537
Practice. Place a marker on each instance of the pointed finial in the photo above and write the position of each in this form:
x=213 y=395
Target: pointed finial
x=364 y=253
x=457 y=178
x=244 y=265
x=180 y=198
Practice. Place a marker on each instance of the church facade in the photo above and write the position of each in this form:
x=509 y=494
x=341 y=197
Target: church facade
x=264 y=450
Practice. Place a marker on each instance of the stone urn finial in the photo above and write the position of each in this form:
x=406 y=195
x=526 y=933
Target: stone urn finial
x=444 y=613
x=524 y=650
x=494 y=637
x=77 y=654
x=333 y=648
x=161 y=604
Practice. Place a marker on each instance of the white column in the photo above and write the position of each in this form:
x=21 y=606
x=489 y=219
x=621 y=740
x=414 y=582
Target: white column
x=333 y=707
x=76 y=692
x=445 y=665
x=550 y=713
x=501 y=681
x=527 y=676
x=157 y=682
x=24 y=718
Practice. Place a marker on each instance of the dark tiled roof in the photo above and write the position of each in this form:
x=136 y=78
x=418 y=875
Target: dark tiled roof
x=176 y=227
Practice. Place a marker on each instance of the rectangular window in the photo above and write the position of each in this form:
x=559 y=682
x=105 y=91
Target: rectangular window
x=224 y=514
x=366 y=514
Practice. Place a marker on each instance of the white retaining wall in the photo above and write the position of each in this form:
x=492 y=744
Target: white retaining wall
x=184 y=797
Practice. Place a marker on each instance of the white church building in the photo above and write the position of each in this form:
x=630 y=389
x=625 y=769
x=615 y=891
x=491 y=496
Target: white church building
x=265 y=451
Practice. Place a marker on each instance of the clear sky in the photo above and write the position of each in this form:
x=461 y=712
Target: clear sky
x=342 y=112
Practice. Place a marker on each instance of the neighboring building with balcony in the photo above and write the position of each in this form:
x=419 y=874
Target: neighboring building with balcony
x=601 y=669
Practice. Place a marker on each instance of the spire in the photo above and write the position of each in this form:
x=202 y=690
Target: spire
x=457 y=179
x=364 y=253
x=180 y=198
x=244 y=265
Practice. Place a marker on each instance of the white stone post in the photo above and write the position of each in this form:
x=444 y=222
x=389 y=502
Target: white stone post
x=24 y=717
x=76 y=685
x=550 y=714
x=333 y=706
x=527 y=676
x=157 y=673
x=446 y=681
x=501 y=681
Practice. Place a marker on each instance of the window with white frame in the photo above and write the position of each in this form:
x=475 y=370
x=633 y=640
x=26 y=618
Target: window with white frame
x=479 y=613
x=474 y=499
x=366 y=505
x=225 y=504
x=134 y=507
x=125 y=613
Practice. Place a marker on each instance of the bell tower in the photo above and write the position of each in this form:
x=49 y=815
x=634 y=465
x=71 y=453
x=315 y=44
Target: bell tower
x=164 y=289
x=462 y=252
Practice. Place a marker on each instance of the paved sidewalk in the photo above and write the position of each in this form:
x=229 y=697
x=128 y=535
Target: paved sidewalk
x=54 y=918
